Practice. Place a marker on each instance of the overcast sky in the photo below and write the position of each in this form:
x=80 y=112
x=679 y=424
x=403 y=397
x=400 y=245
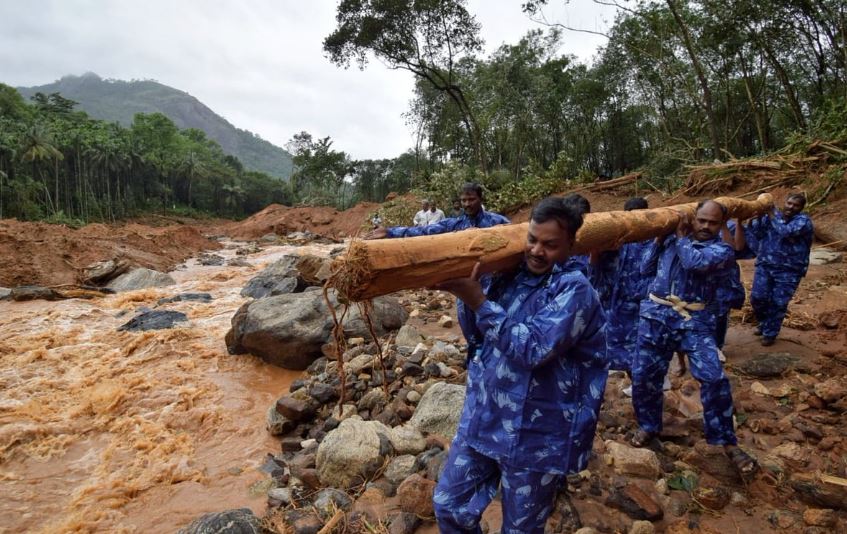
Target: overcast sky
x=258 y=63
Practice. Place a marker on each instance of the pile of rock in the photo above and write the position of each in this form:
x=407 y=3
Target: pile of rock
x=385 y=442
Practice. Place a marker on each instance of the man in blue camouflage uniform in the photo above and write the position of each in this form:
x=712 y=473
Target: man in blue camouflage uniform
x=730 y=294
x=619 y=279
x=784 y=241
x=679 y=316
x=535 y=383
x=473 y=217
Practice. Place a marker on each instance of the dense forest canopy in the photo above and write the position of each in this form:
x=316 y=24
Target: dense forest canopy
x=678 y=82
x=58 y=164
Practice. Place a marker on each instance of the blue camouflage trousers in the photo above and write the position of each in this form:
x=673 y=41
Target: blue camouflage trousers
x=657 y=341
x=469 y=482
x=622 y=336
x=772 y=291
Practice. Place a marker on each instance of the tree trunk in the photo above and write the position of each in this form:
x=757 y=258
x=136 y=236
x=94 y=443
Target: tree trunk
x=706 y=99
x=374 y=268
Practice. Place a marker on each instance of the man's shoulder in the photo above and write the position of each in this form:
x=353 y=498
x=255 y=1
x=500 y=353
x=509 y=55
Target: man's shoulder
x=496 y=217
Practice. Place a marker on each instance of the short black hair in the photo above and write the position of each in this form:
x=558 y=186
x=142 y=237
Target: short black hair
x=567 y=214
x=705 y=201
x=799 y=196
x=580 y=202
x=635 y=203
x=472 y=187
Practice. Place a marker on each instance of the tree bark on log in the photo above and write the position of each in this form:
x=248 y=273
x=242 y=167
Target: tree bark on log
x=379 y=267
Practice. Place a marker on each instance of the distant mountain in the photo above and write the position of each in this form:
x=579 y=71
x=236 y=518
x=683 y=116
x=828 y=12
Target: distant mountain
x=119 y=101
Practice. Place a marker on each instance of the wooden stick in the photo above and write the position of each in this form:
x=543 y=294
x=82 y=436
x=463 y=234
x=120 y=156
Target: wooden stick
x=380 y=267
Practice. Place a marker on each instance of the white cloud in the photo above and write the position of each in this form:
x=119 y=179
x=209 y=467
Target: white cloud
x=258 y=63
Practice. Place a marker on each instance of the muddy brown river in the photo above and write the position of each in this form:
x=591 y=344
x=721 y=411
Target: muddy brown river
x=107 y=431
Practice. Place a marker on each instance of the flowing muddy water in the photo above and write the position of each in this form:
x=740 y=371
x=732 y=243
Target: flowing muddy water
x=113 y=431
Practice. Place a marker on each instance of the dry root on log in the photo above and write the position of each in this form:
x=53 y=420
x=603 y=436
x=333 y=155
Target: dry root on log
x=379 y=267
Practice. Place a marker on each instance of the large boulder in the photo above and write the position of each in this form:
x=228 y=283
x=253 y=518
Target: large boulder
x=140 y=279
x=352 y=452
x=278 y=278
x=439 y=410
x=288 y=330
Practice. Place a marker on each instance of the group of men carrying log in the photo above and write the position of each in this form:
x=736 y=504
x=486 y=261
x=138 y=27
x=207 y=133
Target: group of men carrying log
x=542 y=337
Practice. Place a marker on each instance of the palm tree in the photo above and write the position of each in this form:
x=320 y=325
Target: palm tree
x=191 y=168
x=36 y=148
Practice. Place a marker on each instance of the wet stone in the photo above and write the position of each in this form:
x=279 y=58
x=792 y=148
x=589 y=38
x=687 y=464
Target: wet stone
x=239 y=521
x=770 y=365
x=303 y=521
x=277 y=424
x=635 y=503
x=330 y=499
x=412 y=369
x=184 y=297
x=323 y=393
x=25 y=293
x=153 y=320
x=295 y=409
x=403 y=523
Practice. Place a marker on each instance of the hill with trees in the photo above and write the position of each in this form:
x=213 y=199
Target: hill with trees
x=119 y=101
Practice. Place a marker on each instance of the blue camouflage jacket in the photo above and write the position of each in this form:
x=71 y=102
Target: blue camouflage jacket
x=538 y=370
x=627 y=286
x=730 y=292
x=483 y=219
x=686 y=268
x=783 y=244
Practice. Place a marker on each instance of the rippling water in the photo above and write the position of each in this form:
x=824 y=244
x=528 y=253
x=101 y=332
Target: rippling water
x=132 y=432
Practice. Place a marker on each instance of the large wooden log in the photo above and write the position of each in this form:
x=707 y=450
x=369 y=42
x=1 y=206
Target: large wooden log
x=378 y=267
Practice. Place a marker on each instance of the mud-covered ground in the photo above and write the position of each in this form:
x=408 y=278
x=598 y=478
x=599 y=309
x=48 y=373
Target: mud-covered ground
x=106 y=431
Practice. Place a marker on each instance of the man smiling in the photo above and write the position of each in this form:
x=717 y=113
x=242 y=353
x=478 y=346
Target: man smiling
x=536 y=378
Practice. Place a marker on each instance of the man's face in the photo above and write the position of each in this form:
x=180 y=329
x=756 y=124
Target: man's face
x=792 y=207
x=471 y=203
x=432 y=208
x=546 y=244
x=425 y=206
x=707 y=222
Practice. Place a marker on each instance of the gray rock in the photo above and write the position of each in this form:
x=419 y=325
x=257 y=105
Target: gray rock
x=139 y=279
x=283 y=495
x=400 y=468
x=408 y=336
x=24 y=293
x=210 y=259
x=374 y=398
x=439 y=410
x=351 y=453
x=824 y=256
x=5 y=293
x=289 y=330
x=330 y=499
x=182 y=297
x=277 y=424
x=103 y=271
x=768 y=365
x=153 y=320
x=279 y=278
x=404 y=523
x=239 y=521
x=406 y=440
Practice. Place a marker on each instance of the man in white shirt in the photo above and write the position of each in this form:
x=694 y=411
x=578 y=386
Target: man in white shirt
x=435 y=214
x=422 y=217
